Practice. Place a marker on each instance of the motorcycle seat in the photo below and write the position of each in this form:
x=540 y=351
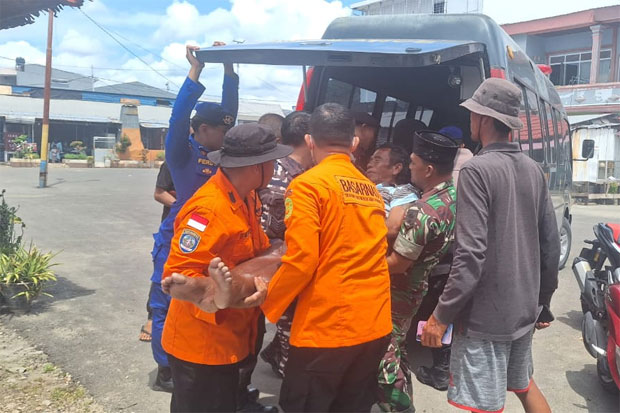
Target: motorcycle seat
x=615 y=228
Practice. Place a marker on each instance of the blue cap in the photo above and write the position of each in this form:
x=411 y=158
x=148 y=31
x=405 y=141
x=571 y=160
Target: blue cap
x=453 y=132
x=214 y=114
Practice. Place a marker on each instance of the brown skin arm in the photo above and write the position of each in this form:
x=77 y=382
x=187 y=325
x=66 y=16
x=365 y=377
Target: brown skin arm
x=397 y=264
x=394 y=221
x=200 y=290
x=164 y=197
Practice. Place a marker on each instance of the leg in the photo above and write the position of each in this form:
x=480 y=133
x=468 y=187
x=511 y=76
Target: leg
x=276 y=353
x=313 y=377
x=357 y=392
x=478 y=374
x=203 y=388
x=248 y=396
x=201 y=290
x=146 y=329
x=159 y=305
x=520 y=381
x=395 y=392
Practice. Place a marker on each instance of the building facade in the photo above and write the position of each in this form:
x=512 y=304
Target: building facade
x=582 y=50
x=374 y=7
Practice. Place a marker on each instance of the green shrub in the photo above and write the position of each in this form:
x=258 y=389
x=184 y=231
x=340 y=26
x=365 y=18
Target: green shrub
x=29 y=269
x=613 y=188
x=81 y=156
x=123 y=144
x=160 y=156
x=10 y=225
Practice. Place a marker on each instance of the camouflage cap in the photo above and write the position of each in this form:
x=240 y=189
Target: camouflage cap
x=434 y=147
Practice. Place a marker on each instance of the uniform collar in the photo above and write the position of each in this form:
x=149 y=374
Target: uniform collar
x=196 y=145
x=222 y=182
x=438 y=188
x=501 y=147
x=337 y=157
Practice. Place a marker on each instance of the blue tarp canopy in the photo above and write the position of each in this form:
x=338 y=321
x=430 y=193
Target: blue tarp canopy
x=349 y=52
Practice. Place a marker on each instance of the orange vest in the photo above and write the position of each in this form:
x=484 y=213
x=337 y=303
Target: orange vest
x=335 y=261
x=213 y=222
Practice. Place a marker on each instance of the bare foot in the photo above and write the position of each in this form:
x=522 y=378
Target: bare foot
x=197 y=290
x=220 y=273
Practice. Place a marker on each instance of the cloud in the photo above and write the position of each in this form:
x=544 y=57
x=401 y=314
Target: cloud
x=23 y=49
x=79 y=44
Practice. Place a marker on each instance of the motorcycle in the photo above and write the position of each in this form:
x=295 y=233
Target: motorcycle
x=600 y=301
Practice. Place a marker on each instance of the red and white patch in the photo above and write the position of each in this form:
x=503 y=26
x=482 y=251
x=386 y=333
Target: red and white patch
x=198 y=222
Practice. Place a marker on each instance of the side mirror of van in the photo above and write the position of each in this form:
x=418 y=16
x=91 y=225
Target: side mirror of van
x=587 y=149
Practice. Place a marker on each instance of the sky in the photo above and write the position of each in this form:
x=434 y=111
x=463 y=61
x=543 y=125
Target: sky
x=156 y=31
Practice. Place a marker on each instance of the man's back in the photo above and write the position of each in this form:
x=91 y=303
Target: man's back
x=336 y=248
x=507 y=240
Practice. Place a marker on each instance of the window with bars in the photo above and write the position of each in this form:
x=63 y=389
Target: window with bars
x=439 y=7
x=574 y=68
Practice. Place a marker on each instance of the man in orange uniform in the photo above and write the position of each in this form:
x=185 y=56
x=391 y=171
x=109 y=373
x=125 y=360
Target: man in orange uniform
x=335 y=266
x=221 y=218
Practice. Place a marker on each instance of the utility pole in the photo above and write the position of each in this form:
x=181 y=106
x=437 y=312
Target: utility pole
x=46 y=102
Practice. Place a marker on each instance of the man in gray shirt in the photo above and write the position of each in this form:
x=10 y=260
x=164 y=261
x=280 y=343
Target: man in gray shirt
x=505 y=263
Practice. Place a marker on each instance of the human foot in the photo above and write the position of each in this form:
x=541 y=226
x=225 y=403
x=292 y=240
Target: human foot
x=145 y=331
x=197 y=290
x=220 y=273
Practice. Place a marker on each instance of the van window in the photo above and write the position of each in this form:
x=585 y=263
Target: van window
x=536 y=133
x=522 y=135
x=393 y=111
x=350 y=96
x=424 y=115
x=550 y=136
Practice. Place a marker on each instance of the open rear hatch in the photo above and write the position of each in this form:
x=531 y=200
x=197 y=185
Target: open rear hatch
x=348 y=52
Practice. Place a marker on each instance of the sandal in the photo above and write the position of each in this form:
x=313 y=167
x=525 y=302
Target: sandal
x=145 y=335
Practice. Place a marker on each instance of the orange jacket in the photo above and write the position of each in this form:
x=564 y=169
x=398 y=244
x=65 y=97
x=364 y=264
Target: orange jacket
x=335 y=260
x=213 y=222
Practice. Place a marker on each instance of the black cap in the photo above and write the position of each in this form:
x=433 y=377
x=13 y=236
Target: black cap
x=214 y=114
x=249 y=144
x=434 y=147
x=363 y=118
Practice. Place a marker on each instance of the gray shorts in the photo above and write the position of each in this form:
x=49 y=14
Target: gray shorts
x=482 y=370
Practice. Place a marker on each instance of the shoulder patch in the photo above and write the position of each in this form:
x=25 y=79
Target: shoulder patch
x=189 y=241
x=288 y=208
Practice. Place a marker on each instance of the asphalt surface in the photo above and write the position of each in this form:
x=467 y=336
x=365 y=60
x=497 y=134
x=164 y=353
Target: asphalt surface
x=101 y=221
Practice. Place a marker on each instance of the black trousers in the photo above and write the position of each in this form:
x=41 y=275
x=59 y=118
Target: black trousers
x=203 y=388
x=248 y=364
x=340 y=379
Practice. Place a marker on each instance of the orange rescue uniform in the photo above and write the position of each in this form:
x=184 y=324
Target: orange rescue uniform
x=335 y=260
x=214 y=222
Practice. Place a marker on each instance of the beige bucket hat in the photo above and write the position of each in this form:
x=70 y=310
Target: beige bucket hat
x=499 y=99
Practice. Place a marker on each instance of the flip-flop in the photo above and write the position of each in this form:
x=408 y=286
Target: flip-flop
x=144 y=331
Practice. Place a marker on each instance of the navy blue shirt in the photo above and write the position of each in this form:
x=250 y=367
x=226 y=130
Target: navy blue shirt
x=186 y=158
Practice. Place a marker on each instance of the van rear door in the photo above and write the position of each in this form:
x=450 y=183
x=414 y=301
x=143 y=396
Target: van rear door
x=349 y=52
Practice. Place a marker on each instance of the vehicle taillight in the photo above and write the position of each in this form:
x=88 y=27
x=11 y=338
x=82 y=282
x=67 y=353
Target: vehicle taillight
x=498 y=72
x=618 y=359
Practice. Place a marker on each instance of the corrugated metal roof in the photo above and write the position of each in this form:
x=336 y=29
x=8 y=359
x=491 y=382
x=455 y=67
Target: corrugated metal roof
x=577 y=119
x=18 y=107
x=136 y=88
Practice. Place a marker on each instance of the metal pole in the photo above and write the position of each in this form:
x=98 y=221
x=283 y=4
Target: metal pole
x=46 y=102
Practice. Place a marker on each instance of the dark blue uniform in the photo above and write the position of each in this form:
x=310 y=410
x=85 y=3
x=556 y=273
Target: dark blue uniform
x=190 y=169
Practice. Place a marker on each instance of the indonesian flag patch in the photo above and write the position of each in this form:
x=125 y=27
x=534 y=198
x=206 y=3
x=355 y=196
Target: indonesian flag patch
x=198 y=222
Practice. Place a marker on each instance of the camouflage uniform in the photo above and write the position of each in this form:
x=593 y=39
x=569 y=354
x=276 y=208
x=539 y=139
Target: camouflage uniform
x=425 y=236
x=272 y=220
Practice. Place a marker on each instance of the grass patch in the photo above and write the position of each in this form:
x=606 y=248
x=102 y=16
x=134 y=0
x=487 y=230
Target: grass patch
x=68 y=395
x=48 y=368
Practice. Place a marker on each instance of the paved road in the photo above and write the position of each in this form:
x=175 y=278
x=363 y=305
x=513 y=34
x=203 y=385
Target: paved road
x=102 y=222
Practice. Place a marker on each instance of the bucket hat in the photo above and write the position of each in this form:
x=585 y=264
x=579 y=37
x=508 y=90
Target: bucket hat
x=248 y=144
x=499 y=99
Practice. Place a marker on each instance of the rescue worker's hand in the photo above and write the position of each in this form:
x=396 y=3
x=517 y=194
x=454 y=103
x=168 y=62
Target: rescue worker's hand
x=196 y=65
x=540 y=326
x=433 y=332
x=259 y=296
x=228 y=67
